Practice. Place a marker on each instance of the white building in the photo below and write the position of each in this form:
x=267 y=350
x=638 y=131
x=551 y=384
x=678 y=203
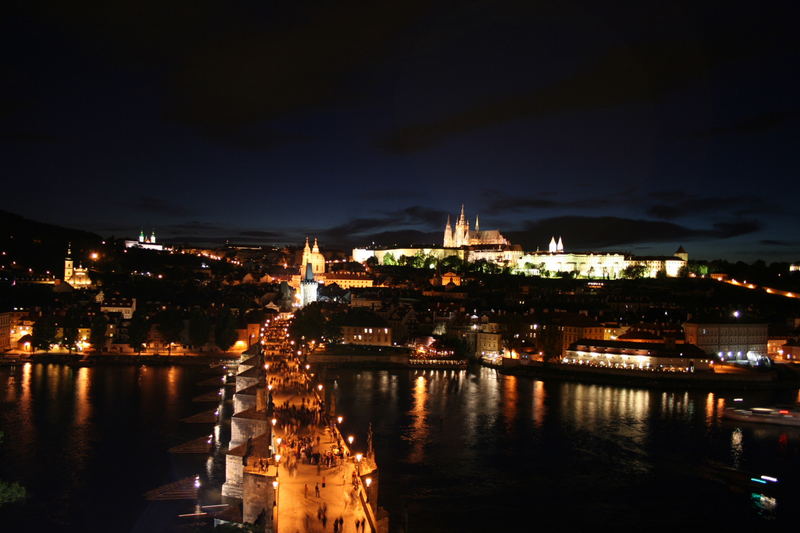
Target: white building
x=146 y=242
x=308 y=287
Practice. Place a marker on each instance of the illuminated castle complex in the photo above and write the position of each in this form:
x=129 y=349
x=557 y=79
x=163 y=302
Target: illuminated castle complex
x=461 y=235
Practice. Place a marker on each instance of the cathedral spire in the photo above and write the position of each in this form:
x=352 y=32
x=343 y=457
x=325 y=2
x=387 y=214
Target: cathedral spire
x=560 y=245
x=552 y=247
x=307 y=248
x=477 y=224
x=448 y=234
x=316 y=246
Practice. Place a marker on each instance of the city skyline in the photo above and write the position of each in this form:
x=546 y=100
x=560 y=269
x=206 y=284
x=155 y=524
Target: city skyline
x=636 y=128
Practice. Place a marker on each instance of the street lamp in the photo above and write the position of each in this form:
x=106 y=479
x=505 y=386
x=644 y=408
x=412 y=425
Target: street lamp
x=274 y=421
x=350 y=439
x=275 y=503
x=358 y=463
x=339 y=419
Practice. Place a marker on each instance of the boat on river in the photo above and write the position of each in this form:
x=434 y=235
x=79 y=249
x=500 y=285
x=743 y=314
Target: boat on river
x=764 y=415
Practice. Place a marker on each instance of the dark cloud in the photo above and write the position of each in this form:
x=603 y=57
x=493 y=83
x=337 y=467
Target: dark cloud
x=581 y=232
x=676 y=204
x=500 y=202
x=755 y=124
x=623 y=75
x=407 y=237
x=259 y=233
x=226 y=69
x=27 y=137
x=383 y=194
x=246 y=77
x=157 y=206
x=413 y=216
x=774 y=242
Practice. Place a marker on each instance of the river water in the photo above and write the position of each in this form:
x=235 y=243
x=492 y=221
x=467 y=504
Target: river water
x=458 y=450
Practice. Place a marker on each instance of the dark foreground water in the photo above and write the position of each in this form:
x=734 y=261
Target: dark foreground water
x=458 y=451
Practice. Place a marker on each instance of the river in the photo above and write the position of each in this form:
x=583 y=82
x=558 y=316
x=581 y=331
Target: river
x=458 y=450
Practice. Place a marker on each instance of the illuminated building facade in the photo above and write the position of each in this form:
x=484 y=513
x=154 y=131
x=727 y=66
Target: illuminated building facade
x=313 y=257
x=373 y=336
x=5 y=331
x=346 y=280
x=145 y=241
x=462 y=235
x=666 y=357
x=737 y=342
x=77 y=277
x=601 y=265
x=308 y=287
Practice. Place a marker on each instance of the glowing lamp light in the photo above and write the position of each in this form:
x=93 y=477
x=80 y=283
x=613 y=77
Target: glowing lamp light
x=275 y=484
x=279 y=440
x=319 y=386
x=274 y=421
x=339 y=419
x=359 y=456
x=350 y=439
x=368 y=481
x=277 y=458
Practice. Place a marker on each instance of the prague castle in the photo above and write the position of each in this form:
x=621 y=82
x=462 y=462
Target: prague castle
x=476 y=244
x=463 y=236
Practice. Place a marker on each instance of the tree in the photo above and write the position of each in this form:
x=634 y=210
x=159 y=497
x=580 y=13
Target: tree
x=97 y=335
x=225 y=330
x=138 y=331
x=634 y=272
x=170 y=326
x=70 y=336
x=44 y=334
x=389 y=259
x=199 y=328
x=371 y=262
x=452 y=263
x=418 y=260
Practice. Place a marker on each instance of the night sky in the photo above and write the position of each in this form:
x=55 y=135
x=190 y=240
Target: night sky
x=639 y=127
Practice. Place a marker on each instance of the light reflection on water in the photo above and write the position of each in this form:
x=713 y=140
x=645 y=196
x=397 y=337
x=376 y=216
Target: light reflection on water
x=458 y=450
x=496 y=441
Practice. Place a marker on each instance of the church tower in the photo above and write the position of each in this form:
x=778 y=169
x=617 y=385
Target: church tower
x=313 y=257
x=448 y=234
x=308 y=287
x=68 y=266
x=461 y=234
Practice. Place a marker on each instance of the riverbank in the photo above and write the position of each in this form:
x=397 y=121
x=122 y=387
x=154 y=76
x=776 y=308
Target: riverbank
x=117 y=359
x=757 y=380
